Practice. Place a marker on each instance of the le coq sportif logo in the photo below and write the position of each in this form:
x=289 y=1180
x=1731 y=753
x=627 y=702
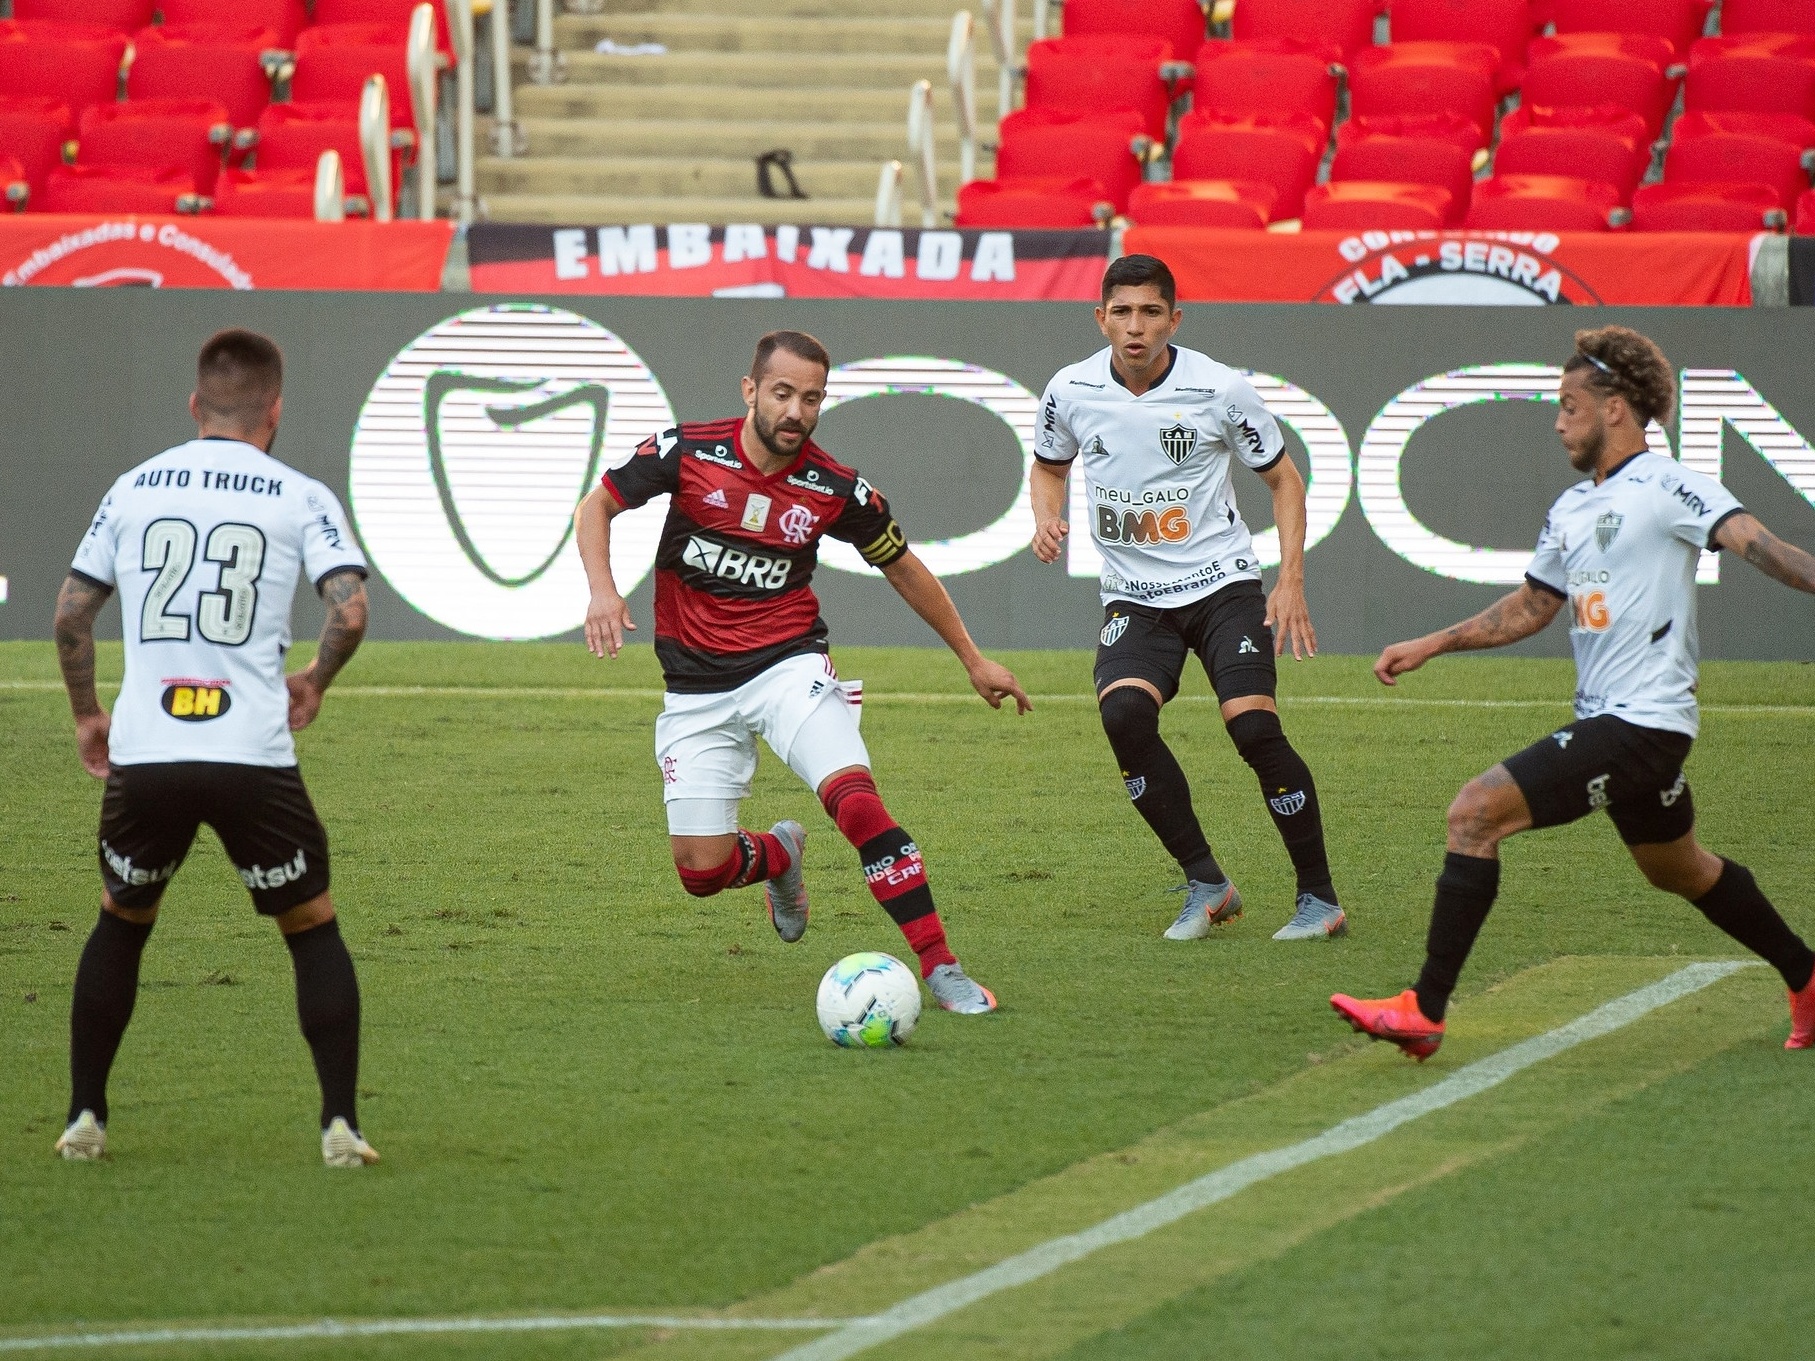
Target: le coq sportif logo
x=473 y=448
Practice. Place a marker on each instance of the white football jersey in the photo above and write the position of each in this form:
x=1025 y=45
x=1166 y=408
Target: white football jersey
x=1624 y=553
x=204 y=544
x=1156 y=467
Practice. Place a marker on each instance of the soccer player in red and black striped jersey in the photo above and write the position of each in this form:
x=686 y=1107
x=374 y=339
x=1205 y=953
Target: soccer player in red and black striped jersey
x=743 y=647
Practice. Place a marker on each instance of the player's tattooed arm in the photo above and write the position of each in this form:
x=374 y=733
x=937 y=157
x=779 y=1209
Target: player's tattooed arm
x=78 y=604
x=1517 y=615
x=344 y=593
x=1778 y=560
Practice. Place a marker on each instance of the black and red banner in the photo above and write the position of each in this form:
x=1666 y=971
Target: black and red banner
x=694 y=260
x=130 y=251
x=1632 y=268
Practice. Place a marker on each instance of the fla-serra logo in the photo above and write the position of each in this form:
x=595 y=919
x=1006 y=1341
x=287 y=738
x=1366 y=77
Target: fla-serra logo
x=1438 y=267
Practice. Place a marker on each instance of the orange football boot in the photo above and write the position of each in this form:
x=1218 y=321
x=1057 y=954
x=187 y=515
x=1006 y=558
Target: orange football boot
x=1399 y=1020
x=1802 y=1018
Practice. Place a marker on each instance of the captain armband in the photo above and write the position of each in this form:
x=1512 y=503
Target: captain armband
x=887 y=546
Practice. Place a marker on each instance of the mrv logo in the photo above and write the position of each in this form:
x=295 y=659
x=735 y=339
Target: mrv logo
x=735 y=564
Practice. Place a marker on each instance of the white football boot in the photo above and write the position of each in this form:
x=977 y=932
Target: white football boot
x=1206 y=906
x=85 y=1140
x=1314 y=920
x=342 y=1146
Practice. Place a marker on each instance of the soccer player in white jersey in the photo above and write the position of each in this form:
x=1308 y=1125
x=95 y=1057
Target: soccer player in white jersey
x=1620 y=551
x=1157 y=428
x=204 y=544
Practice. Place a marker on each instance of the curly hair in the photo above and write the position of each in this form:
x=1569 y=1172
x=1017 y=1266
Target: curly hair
x=1622 y=363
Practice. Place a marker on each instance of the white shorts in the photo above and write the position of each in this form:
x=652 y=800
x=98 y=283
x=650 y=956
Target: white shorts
x=705 y=745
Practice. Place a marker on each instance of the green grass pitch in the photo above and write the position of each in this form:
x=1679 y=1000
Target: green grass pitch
x=594 y=1093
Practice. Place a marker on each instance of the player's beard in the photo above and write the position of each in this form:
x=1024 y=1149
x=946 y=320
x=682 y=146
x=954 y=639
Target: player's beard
x=1584 y=459
x=767 y=432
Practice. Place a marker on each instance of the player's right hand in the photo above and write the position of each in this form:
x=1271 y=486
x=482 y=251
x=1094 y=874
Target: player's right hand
x=1399 y=659
x=1049 y=536
x=607 y=618
x=91 y=743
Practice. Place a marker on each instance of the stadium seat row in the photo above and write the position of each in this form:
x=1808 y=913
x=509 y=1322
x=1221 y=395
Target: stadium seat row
x=1596 y=96
x=102 y=110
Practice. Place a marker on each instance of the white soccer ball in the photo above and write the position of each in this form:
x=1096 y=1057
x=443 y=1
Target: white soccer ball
x=868 y=1001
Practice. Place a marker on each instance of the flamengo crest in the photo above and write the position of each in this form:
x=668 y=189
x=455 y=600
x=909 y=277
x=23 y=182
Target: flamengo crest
x=1178 y=442
x=1607 y=528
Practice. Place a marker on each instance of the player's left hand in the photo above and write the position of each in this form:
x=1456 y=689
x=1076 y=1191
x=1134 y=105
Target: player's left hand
x=1290 y=619
x=91 y=742
x=996 y=683
x=305 y=697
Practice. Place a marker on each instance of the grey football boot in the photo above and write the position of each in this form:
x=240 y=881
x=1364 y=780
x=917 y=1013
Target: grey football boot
x=955 y=990
x=1206 y=906
x=787 y=892
x=1314 y=920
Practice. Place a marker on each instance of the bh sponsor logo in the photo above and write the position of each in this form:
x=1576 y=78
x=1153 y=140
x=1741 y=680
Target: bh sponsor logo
x=260 y=877
x=193 y=702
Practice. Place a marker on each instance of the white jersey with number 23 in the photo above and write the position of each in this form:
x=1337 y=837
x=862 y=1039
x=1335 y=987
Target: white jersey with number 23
x=1156 y=469
x=204 y=543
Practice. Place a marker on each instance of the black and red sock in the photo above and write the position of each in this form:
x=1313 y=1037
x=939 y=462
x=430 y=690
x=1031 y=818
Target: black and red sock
x=891 y=864
x=757 y=858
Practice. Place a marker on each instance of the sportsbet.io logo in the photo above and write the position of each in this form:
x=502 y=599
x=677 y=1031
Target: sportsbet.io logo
x=472 y=450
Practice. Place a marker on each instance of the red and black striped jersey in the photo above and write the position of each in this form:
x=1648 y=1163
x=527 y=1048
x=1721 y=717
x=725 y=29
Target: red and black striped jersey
x=734 y=568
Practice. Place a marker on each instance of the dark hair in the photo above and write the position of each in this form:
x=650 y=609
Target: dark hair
x=1137 y=271
x=238 y=375
x=1622 y=363
x=797 y=343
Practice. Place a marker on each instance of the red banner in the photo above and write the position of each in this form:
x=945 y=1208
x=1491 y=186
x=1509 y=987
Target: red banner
x=1634 y=268
x=694 y=260
x=201 y=252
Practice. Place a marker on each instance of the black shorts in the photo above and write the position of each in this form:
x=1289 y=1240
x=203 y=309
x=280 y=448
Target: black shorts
x=262 y=815
x=1228 y=631
x=1635 y=773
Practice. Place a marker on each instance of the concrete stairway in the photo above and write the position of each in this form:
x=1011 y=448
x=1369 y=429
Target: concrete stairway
x=674 y=138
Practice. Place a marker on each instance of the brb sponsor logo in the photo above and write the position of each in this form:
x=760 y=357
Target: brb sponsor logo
x=196 y=701
x=478 y=440
x=736 y=564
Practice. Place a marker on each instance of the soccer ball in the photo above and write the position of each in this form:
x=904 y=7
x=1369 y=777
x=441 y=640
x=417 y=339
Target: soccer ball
x=869 y=1000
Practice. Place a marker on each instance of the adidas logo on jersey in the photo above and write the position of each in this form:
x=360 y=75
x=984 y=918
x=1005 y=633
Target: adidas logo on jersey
x=716 y=497
x=734 y=564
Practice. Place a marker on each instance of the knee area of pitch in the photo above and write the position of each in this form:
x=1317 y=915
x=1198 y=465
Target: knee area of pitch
x=1129 y=714
x=1474 y=819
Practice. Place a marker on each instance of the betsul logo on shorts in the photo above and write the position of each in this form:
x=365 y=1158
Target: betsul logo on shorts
x=471 y=452
x=196 y=701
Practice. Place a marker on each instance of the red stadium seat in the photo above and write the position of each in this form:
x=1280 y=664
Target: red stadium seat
x=33 y=130
x=1179 y=22
x=1706 y=208
x=283 y=19
x=1542 y=203
x=1767 y=16
x=1042 y=202
x=1442 y=127
x=1416 y=78
x=191 y=135
x=117 y=189
x=78 y=64
x=333 y=64
x=394 y=14
x=1255 y=79
x=1504 y=25
x=1601 y=69
x=123 y=16
x=1347 y=25
x=1203 y=203
x=15 y=189
x=1367 y=205
x=1805 y=214
x=1048 y=143
x=1283 y=154
x=204 y=61
x=1607 y=144
x=293 y=136
x=1409 y=160
x=1099 y=75
x=1678 y=22
x=1738 y=158
x=1729 y=74
x=265 y=193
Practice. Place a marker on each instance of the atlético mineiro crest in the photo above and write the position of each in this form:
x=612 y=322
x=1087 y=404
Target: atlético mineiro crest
x=1607 y=528
x=1113 y=630
x=1177 y=442
x=1287 y=804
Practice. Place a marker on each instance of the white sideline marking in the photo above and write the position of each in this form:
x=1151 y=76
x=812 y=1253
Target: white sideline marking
x=928 y=1307
x=952 y=697
x=333 y=1328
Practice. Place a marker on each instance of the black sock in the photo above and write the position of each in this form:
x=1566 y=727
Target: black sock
x=1291 y=794
x=1465 y=895
x=1736 y=905
x=327 y=1004
x=1156 y=782
x=107 y=985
